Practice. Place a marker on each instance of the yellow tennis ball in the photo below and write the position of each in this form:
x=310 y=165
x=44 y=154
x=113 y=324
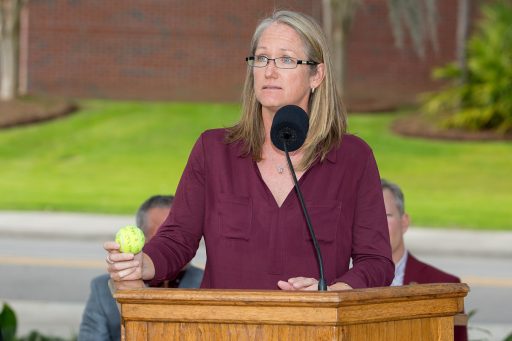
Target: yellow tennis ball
x=130 y=238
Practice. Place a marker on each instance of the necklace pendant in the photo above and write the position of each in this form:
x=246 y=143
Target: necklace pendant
x=280 y=170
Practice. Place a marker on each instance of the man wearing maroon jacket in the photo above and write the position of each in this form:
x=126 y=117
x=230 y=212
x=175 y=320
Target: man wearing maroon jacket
x=408 y=269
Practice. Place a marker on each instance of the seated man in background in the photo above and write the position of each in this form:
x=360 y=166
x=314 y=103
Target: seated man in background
x=408 y=269
x=101 y=319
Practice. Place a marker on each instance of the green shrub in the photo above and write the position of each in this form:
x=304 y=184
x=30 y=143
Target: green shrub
x=7 y=323
x=484 y=100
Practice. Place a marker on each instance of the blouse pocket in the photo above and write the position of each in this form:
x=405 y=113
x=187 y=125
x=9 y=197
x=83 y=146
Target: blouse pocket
x=325 y=217
x=235 y=216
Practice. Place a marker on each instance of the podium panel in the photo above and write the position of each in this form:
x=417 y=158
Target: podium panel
x=230 y=331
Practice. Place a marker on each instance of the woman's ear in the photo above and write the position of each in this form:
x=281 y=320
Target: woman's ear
x=316 y=79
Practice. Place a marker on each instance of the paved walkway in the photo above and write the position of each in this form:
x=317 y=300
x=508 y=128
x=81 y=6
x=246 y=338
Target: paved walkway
x=70 y=226
x=103 y=227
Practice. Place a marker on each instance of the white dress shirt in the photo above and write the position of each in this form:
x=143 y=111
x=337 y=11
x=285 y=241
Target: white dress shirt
x=400 y=271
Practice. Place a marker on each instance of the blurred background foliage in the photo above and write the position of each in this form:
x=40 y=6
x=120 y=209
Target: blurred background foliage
x=479 y=98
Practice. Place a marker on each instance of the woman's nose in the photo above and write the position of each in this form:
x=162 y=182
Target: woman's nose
x=270 y=68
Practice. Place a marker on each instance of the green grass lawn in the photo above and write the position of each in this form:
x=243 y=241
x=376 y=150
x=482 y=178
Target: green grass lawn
x=110 y=156
x=453 y=184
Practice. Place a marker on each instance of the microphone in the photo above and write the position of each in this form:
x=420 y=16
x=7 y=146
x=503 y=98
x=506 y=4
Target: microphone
x=290 y=126
x=288 y=132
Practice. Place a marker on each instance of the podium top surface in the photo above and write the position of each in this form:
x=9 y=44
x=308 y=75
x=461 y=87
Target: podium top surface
x=311 y=308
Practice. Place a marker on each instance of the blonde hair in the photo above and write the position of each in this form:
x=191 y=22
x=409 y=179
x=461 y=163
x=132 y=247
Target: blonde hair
x=327 y=116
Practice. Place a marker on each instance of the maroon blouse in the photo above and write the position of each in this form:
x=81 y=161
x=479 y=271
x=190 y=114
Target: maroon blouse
x=252 y=243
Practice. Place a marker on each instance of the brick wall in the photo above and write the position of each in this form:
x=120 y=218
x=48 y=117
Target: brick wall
x=195 y=49
x=381 y=76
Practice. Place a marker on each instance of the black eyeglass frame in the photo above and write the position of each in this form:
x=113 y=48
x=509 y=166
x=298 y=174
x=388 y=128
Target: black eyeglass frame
x=299 y=62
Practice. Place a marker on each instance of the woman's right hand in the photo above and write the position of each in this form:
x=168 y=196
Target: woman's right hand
x=127 y=266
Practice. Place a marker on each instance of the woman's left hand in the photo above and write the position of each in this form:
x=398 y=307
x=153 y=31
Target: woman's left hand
x=310 y=284
x=299 y=283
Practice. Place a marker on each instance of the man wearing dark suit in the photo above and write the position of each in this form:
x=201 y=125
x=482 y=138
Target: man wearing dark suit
x=408 y=269
x=101 y=319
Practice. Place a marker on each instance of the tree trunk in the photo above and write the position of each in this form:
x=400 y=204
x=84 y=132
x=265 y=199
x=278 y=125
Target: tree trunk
x=339 y=41
x=463 y=18
x=337 y=17
x=9 y=48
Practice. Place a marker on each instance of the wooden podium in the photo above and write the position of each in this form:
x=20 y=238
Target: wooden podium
x=414 y=312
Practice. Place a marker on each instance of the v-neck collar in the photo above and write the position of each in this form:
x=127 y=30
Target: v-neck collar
x=290 y=194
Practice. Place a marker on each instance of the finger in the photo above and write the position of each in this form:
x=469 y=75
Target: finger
x=130 y=274
x=295 y=279
x=120 y=266
x=121 y=257
x=111 y=246
x=117 y=276
x=108 y=260
x=304 y=283
x=313 y=287
x=285 y=285
x=126 y=274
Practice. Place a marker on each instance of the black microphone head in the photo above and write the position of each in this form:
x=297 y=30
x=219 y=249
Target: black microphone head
x=290 y=125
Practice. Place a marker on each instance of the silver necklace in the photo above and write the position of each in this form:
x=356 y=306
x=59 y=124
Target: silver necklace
x=279 y=167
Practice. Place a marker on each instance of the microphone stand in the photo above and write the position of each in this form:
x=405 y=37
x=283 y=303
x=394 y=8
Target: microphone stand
x=322 y=286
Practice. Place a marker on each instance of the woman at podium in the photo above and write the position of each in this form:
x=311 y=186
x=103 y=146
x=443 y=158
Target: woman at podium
x=237 y=190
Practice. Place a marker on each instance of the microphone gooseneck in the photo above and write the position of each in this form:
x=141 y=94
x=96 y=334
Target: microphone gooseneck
x=288 y=133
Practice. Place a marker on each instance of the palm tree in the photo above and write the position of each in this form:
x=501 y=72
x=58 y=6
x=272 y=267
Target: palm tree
x=463 y=18
x=337 y=20
x=9 y=47
x=417 y=17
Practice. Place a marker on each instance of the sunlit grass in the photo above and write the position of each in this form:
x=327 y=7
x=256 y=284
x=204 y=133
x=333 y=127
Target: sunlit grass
x=446 y=183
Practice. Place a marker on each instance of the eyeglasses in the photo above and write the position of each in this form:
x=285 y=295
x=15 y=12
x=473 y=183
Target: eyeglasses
x=280 y=63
